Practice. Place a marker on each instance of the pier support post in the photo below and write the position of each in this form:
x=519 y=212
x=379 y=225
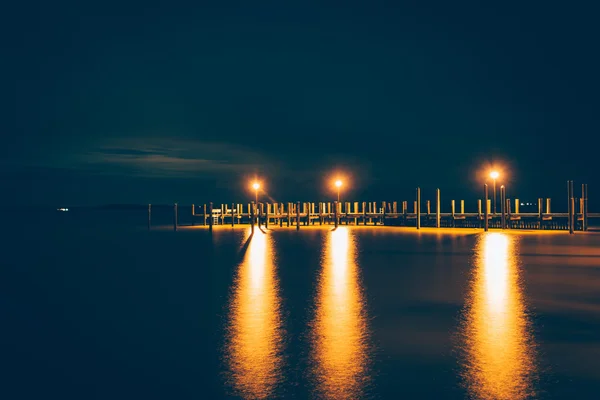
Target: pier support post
x=297 y=215
x=149 y=216
x=437 y=209
x=428 y=205
x=548 y=206
x=210 y=216
x=320 y=213
x=584 y=195
x=251 y=217
x=418 y=211
x=335 y=213
x=479 y=209
x=503 y=205
x=453 y=207
x=540 y=212
x=486 y=209
x=175 y=217
x=571 y=207
x=232 y=215
x=267 y=215
x=384 y=205
x=364 y=209
x=193 y=214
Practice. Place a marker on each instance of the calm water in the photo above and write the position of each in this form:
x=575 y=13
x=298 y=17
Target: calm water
x=93 y=306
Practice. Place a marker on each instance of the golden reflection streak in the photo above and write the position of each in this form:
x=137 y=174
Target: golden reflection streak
x=498 y=342
x=255 y=334
x=340 y=334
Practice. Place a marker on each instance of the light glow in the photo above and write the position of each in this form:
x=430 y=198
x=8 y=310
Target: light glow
x=494 y=174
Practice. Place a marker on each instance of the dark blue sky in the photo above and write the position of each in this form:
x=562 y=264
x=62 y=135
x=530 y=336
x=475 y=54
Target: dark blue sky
x=159 y=102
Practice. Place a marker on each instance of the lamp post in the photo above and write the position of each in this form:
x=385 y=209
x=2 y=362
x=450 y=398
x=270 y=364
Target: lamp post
x=338 y=184
x=494 y=175
x=256 y=186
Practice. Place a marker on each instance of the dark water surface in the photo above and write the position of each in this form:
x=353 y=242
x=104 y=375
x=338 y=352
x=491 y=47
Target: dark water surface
x=92 y=306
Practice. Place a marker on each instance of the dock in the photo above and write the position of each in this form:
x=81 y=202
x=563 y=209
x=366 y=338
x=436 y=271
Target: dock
x=392 y=213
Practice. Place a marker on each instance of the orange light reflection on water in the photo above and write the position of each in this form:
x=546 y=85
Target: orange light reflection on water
x=500 y=356
x=340 y=333
x=255 y=338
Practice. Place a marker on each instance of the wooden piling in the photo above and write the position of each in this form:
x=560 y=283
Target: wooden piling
x=289 y=214
x=149 y=216
x=503 y=206
x=204 y=215
x=540 y=212
x=428 y=204
x=384 y=212
x=517 y=204
x=267 y=216
x=462 y=206
x=175 y=217
x=437 y=209
x=548 y=206
x=486 y=209
x=572 y=216
x=418 y=208
x=335 y=213
x=193 y=214
x=571 y=208
x=584 y=194
x=364 y=209
x=298 y=216
x=452 y=205
x=252 y=216
x=232 y=215
x=210 y=216
x=569 y=195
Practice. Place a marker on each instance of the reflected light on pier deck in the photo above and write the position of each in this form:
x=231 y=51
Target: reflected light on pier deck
x=254 y=333
x=498 y=344
x=340 y=333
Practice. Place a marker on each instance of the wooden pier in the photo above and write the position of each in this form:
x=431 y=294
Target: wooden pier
x=395 y=213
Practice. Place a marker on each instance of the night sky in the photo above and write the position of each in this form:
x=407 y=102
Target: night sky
x=138 y=102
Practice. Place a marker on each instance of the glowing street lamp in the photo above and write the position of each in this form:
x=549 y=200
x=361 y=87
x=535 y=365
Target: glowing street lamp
x=494 y=175
x=338 y=184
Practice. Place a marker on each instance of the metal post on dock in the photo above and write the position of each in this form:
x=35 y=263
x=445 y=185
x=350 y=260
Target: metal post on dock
x=584 y=194
x=418 y=211
x=503 y=205
x=251 y=210
x=571 y=208
x=335 y=214
x=508 y=213
x=267 y=215
x=540 y=212
x=437 y=209
x=175 y=217
x=210 y=213
x=486 y=209
x=149 y=216
x=569 y=195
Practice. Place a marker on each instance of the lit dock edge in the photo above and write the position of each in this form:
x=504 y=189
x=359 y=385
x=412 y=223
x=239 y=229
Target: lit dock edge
x=388 y=214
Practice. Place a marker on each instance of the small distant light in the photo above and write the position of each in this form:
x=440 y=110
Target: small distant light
x=522 y=204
